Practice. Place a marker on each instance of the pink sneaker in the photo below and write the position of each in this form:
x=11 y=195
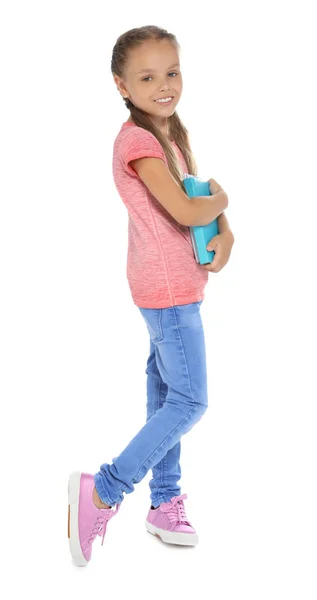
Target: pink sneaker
x=85 y=520
x=169 y=522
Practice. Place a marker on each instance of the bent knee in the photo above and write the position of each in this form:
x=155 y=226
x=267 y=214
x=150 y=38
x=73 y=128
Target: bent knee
x=199 y=410
x=196 y=414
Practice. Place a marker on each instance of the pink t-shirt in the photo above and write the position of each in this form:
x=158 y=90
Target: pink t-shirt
x=161 y=266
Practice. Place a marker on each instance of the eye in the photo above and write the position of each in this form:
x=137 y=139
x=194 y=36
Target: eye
x=171 y=73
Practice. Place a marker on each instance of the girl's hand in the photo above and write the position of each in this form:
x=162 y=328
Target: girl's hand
x=222 y=245
x=214 y=186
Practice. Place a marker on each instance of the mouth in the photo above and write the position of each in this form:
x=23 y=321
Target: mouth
x=165 y=101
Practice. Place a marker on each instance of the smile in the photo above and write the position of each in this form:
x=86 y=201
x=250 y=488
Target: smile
x=167 y=100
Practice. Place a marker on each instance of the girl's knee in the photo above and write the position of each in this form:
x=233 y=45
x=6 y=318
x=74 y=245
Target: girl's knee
x=201 y=409
x=198 y=412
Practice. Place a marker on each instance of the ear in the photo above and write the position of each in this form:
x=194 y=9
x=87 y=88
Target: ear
x=120 y=86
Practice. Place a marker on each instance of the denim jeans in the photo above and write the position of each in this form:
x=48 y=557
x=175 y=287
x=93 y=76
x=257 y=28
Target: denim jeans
x=176 y=400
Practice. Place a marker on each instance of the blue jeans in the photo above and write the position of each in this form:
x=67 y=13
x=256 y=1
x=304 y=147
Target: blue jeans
x=176 y=400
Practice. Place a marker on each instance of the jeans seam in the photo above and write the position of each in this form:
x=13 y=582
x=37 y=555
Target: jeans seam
x=184 y=354
x=159 y=326
x=159 y=398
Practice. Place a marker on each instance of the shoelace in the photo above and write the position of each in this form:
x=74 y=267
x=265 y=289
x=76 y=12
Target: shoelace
x=175 y=509
x=100 y=525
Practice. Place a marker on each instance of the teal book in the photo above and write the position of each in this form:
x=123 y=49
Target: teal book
x=200 y=234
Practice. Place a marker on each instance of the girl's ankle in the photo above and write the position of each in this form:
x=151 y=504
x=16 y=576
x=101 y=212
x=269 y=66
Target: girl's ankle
x=96 y=500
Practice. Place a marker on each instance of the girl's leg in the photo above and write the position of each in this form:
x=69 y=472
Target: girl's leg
x=167 y=471
x=178 y=335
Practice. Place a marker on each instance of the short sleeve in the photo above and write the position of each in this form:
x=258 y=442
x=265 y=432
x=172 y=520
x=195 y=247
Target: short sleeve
x=139 y=143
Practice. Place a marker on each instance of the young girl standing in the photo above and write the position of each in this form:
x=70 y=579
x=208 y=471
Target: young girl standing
x=151 y=155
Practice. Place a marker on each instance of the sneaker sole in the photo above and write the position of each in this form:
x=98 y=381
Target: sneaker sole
x=171 y=537
x=73 y=533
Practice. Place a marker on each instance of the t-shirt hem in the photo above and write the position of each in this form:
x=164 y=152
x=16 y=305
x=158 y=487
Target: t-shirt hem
x=178 y=300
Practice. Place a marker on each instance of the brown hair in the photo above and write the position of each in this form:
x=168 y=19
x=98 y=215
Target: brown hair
x=178 y=132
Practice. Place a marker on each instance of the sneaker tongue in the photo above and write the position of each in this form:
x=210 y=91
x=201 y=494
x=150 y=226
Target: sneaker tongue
x=176 y=509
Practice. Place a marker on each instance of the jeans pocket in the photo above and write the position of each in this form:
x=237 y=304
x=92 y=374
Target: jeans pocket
x=153 y=320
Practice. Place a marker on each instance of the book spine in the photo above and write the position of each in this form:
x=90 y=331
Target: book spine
x=200 y=241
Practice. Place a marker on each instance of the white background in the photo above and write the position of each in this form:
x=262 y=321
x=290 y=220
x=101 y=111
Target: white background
x=74 y=345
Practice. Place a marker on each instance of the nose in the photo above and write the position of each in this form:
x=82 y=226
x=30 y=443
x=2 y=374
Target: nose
x=165 y=85
x=164 y=88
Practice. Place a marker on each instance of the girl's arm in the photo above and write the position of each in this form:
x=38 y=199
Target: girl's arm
x=199 y=210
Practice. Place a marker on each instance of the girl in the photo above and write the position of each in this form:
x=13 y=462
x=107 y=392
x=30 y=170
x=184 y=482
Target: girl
x=151 y=155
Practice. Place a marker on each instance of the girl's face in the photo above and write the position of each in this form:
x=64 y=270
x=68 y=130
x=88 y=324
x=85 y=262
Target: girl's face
x=152 y=72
